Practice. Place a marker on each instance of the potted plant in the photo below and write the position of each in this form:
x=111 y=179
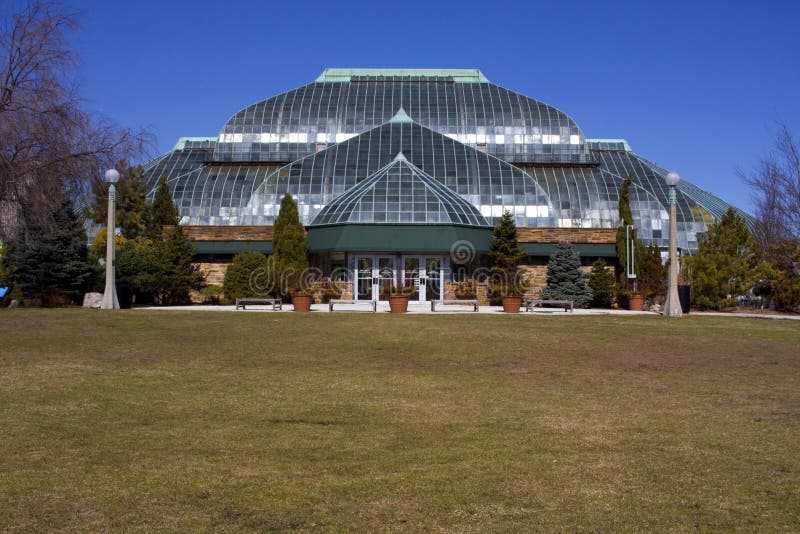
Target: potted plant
x=635 y=301
x=505 y=256
x=399 y=295
x=290 y=251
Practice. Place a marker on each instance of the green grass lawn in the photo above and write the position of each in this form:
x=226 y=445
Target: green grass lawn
x=262 y=421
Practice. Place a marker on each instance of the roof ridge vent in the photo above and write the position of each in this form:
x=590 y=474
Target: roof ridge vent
x=401 y=116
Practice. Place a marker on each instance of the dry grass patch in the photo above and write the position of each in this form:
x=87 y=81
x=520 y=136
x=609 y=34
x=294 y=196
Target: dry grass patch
x=210 y=421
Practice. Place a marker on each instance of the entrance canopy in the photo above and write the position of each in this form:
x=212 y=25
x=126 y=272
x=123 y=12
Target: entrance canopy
x=427 y=238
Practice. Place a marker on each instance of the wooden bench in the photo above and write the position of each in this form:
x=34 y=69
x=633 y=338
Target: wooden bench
x=277 y=304
x=374 y=303
x=468 y=302
x=568 y=305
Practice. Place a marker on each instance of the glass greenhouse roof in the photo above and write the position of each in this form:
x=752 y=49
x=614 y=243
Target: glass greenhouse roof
x=461 y=104
x=486 y=182
x=471 y=150
x=400 y=193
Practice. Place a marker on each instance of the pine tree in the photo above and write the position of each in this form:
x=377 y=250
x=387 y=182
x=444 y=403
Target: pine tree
x=162 y=211
x=170 y=273
x=653 y=273
x=131 y=210
x=565 y=280
x=46 y=261
x=505 y=254
x=724 y=262
x=289 y=245
x=603 y=285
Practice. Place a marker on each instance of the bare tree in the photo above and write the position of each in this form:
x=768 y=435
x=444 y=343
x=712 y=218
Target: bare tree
x=775 y=183
x=47 y=140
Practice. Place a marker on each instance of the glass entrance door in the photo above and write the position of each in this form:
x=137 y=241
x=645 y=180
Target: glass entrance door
x=386 y=272
x=363 y=272
x=427 y=274
x=374 y=276
x=434 y=278
x=411 y=276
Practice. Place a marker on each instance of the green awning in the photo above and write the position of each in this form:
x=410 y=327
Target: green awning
x=396 y=238
x=584 y=249
x=231 y=247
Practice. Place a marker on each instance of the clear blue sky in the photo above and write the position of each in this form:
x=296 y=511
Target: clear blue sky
x=693 y=86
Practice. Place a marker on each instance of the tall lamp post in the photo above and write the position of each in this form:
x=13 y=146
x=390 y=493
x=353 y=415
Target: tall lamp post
x=110 y=301
x=672 y=307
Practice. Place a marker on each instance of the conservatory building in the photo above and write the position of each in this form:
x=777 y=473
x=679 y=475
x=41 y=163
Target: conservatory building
x=402 y=172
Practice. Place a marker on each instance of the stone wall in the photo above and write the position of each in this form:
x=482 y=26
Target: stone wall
x=215 y=272
x=228 y=233
x=572 y=235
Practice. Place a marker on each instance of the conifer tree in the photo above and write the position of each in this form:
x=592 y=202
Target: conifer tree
x=653 y=273
x=52 y=257
x=169 y=272
x=724 y=263
x=289 y=245
x=162 y=211
x=565 y=280
x=603 y=285
x=505 y=254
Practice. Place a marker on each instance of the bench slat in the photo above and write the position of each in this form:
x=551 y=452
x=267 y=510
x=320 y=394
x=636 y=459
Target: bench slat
x=568 y=305
x=277 y=304
x=349 y=301
x=466 y=302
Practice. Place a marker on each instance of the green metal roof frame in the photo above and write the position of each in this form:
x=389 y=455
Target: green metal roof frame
x=183 y=140
x=458 y=75
x=623 y=141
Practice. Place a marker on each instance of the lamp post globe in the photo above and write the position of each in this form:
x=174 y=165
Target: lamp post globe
x=672 y=306
x=112 y=176
x=672 y=179
x=110 y=301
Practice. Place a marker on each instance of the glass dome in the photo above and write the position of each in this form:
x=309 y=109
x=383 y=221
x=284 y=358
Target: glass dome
x=400 y=193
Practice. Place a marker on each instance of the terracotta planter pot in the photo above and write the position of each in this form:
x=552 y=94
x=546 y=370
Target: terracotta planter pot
x=512 y=303
x=636 y=302
x=301 y=302
x=398 y=303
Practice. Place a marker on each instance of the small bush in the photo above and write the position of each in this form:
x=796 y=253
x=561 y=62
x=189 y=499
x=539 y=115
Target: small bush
x=211 y=294
x=248 y=276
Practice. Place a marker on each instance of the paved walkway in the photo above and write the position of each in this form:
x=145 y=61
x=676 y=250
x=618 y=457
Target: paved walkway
x=425 y=309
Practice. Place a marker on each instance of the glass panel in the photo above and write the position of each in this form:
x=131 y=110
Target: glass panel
x=411 y=272
x=433 y=284
x=385 y=277
x=364 y=279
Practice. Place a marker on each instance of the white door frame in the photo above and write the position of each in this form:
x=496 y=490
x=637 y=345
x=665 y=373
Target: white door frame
x=374 y=274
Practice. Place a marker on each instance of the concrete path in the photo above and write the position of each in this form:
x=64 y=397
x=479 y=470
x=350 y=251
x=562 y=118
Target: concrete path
x=425 y=309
